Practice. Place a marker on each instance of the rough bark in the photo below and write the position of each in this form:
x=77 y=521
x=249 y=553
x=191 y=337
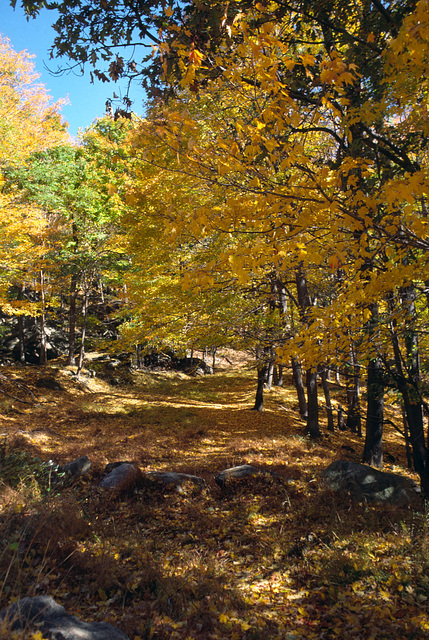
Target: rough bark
x=304 y=301
x=43 y=357
x=323 y=372
x=262 y=378
x=312 y=404
x=373 y=450
x=299 y=386
x=407 y=374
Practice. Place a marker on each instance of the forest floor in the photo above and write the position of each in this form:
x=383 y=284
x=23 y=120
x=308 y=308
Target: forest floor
x=259 y=559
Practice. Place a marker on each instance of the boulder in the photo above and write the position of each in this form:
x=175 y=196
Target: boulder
x=76 y=467
x=113 y=465
x=365 y=483
x=43 y=614
x=122 y=478
x=176 y=479
x=242 y=471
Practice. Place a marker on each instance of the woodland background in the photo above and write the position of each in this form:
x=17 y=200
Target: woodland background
x=272 y=201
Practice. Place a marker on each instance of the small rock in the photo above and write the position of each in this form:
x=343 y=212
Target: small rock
x=113 y=465
x=242 y=471
x=122 y=478
x=76 y=467
x=177 y=479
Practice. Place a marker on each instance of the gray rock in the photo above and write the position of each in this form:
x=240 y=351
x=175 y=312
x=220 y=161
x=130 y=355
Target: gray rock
x=365 y=483
x=44 y=614
x=242 y=471
x=176 y=479
x=77 y=467
x=122 y=478
x=113 y=465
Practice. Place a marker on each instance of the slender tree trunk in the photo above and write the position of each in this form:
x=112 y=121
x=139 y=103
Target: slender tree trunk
x=354 y=422
x=299 y=386
x=270 y=374
x=407 y=439
x=373 y=450
x=278 y=375
x=337 y=376
x=73 y=301
x=43 y=358
x=312 y=404
x=72 y=320
x=408 y=378
x=340 y=419
x=20 y=320
x=305 y=303
x=101 y=291
x=323 y=372
x=85 y=318
x=262 y=378
x=214 y=349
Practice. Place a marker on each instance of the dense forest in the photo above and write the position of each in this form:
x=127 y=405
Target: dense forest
x=270 y=205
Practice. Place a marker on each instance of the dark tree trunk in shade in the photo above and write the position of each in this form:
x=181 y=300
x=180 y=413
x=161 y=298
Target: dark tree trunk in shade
x=354 y=420
x=72 y=320
x=312 y=404
x=300 y=390
x=373 y=450
x=43 y=357
x=407 y=373
x=278 y=375
x=262 y=378
x=305 y=302
x=20 y=320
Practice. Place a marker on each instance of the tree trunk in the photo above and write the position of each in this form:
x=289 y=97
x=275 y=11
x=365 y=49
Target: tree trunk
x=407 y=382
x=340 y=419
x=270 y=374
x=85 y=318
x=20 y=320
x=373 y=450
x=323 y=372
x=354 y=422
x=214 y=350
x=278 y=375
x=43 y=358
x=305 y=303
x=299 y=386
x=72 y=320
x=312 y=404
x=262 y=378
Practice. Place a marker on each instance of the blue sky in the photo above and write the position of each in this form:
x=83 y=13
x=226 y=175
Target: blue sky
x=87 y=101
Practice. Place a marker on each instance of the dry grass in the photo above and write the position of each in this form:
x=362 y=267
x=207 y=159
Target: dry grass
x=260 y=559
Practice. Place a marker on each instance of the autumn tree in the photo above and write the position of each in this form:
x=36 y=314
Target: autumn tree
x=29 y=121
x=80 y=207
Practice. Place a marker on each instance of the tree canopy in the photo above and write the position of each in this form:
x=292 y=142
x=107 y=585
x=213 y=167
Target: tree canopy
x=275 y=193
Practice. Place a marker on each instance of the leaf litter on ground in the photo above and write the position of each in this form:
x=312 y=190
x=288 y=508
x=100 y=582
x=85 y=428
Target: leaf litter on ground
x=257 y=559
